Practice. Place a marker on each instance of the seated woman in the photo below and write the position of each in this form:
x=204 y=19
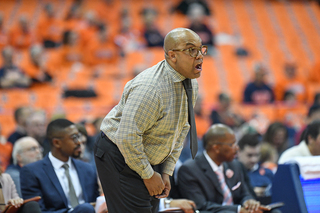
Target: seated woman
x=9 y=196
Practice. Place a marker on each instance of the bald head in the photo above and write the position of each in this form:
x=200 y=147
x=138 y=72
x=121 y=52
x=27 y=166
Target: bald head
x=26 y=150
x=216 y=133
x=176 y=36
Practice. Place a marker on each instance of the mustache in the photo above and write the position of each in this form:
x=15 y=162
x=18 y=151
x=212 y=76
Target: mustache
x=77 y=147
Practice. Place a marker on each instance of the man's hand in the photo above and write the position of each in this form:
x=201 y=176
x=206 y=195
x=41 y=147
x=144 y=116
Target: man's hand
x=187 y=206
x=155 y=184
x=17 y=202
x=251 y=205
x=167 y=186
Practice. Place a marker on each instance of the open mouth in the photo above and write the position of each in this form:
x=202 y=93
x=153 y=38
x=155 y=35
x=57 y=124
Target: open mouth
x=199 y=66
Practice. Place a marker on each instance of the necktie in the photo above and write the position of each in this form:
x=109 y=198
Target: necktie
x=193 y=132
x=2 y=203
x=72 y=194
x=227 y=196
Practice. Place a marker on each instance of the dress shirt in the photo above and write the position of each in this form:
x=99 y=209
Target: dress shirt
x=215 y=167
x=150 y=122
x=60 y=172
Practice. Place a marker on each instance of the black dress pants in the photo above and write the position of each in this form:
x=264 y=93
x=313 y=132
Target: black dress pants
x=123 y=188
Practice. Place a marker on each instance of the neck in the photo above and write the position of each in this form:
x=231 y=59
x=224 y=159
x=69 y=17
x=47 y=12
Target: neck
x=214 y=158
x=57 y=155
x=310 y=147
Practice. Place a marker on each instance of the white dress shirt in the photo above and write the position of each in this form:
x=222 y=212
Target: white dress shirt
x=215 y=167
x=60 y=172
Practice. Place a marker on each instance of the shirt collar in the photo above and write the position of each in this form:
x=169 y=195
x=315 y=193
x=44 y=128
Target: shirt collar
x=56 y=163
x=213 y=165
x=176 y=76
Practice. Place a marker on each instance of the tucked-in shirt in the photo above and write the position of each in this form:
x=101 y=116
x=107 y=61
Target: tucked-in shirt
x=151 y=120
x=60 y=172
x=300 y=150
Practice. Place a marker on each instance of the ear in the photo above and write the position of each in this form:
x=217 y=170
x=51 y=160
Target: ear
x=56 y=142
x=172 y=56
x=216 y=148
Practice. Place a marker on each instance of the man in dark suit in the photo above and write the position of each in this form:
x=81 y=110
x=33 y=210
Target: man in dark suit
x=199 y=180
x=64 y=184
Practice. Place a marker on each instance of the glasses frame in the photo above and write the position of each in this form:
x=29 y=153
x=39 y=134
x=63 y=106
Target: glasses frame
x=75 y=137
x=190 y=48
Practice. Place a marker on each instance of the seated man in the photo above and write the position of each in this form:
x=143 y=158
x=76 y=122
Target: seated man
x=214 y=181
x=257 y=179
x=310 y=145
x=25 y=150
x=64 y=184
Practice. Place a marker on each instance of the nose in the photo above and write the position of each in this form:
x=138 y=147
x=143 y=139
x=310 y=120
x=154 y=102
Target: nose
x=199 y=55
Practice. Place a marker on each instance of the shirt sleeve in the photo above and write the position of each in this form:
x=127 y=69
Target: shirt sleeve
x=141 y=111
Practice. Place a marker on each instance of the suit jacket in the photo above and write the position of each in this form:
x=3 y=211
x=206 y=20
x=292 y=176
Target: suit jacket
x=40 y=179
x=198 y=182
x=8 y=187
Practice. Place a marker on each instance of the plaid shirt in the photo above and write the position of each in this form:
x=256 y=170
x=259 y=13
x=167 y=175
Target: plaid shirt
x=150 y=122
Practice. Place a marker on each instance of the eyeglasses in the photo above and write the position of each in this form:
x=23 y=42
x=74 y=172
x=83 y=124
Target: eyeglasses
x=75 y=137
x=231 y=145
x=34 y=148
x=194 y=51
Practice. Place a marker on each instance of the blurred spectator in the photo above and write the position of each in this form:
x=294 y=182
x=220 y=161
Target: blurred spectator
x=289 y=98
x=196 y=15
x=5 y=151
x=277 y=136
x=87 y=144
x=21 y=36
x=260 y=179
x=291 y=82
x=73 y=20
x=3 y=33
x=309 y=146
x=184 y=6
x=36 y=66
x=128 y=39
x=11 y=75
x=71 y=51
x=224 y=114
x=21 y=115
x=151 y=31
x=313 y=114
x=257 y=91
x=36 y=128
x=26 y=150
x=11 y=197
x=269 y=157
x=89 y=27
x=101 y=49
x=50 y=28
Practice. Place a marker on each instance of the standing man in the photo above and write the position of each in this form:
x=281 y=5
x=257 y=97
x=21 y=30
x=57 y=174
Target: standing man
x=142 y=137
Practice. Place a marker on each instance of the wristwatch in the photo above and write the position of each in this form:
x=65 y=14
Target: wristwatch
x=167 y=202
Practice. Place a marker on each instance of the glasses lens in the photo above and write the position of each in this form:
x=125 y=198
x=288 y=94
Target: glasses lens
x=204 y=50
x=193 y=52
